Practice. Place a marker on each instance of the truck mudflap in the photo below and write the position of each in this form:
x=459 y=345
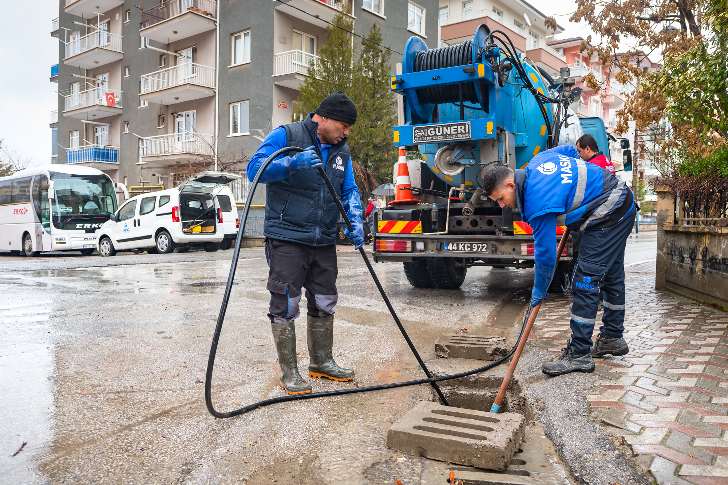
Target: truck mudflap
x=511 y=250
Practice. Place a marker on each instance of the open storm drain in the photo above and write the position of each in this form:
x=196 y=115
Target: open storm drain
x=534 y=462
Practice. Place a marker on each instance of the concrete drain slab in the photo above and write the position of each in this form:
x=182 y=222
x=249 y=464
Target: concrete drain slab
x=456 y=435
x=479 y=347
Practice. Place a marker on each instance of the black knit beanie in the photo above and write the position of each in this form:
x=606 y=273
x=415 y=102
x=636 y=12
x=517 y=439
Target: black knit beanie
x=338 y=106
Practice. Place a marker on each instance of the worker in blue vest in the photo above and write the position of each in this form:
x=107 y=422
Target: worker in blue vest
x=558 y=184
x=301 y=231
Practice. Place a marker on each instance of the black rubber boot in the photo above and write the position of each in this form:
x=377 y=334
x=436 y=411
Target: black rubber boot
x=284 y=334
x=569 y=362
x=609 y=346
x=320 y=337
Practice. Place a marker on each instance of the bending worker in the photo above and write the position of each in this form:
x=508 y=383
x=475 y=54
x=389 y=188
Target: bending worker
x=557 y=183
x=300 y=229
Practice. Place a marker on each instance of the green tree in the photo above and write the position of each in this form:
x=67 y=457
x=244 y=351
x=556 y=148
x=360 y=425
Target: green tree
x=333 y=70
x=371 y=136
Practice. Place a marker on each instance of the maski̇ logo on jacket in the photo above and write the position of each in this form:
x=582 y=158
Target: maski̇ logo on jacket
x=547 y=168
x=339 y=163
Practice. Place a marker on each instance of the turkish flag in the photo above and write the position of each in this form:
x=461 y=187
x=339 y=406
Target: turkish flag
x=110 y=100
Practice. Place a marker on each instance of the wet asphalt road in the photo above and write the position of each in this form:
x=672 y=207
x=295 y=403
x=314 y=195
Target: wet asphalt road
x=102 y=364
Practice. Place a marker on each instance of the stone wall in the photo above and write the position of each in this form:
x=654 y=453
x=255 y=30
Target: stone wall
x=691 y=260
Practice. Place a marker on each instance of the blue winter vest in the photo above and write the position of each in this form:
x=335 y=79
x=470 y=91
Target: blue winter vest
x=300 y=208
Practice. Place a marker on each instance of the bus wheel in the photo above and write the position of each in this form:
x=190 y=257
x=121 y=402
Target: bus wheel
x=164 y=242
x=28 y=246
x=106 y=247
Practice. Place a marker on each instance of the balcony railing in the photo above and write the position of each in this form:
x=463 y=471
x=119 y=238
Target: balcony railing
x=175 y=144
x=93 y=97
x=342 y=5
x=181 y=74
x=92 y=153
x=293 y=62
x=99 y=39
x=167 y=10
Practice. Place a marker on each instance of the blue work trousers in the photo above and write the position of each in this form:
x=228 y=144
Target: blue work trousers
x=599 y=274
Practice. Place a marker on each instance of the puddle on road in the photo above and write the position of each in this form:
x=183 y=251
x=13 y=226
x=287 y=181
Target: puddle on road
x=26 y=378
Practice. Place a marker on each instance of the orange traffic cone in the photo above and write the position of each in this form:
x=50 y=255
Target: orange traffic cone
x=403 y=185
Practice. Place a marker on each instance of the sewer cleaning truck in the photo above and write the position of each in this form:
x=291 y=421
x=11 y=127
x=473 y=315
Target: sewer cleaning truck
x=462 y=107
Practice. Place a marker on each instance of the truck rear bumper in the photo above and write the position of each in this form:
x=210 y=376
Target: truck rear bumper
x=493 y=249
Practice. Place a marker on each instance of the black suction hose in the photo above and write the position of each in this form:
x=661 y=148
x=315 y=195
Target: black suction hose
x=339 y=392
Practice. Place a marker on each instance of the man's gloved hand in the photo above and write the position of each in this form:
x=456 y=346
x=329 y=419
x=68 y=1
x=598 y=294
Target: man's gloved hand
x=305 y=159
x=357 y=235
x=537 y=296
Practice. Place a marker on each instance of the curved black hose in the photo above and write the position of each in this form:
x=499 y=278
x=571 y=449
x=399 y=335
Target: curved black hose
x=432 y=380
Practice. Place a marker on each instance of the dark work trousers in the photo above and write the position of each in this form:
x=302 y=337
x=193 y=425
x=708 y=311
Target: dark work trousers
x=599 y=273
x=294 y=266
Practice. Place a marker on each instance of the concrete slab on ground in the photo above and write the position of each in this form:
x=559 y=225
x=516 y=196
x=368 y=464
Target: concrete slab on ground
x=464 y=346
x=456 y=435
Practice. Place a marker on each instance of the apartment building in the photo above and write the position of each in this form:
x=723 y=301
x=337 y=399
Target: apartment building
x=524 y=24
x=152 y=90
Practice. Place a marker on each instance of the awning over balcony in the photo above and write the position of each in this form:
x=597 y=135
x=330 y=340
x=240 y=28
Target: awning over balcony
x=174 y=20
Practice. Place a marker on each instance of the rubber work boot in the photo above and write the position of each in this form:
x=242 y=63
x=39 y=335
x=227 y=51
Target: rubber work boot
x=284 y=334
x=610 y=346
x=569 y=362
x=320 y=341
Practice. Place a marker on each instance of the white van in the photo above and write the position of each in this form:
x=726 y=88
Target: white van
x=160 y=221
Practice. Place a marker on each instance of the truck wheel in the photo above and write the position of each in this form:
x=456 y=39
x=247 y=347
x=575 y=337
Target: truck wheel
x=165 y=244
x=417 y=274
x=447 y=273
x=562 y=279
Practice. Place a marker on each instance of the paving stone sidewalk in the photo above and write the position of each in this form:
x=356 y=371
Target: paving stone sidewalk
x=668 y=398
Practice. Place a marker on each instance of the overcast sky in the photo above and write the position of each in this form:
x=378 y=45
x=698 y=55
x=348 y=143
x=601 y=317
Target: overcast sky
x=27 y=51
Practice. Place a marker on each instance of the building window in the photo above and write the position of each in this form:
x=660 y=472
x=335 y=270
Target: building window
x=533 y=40
x=161 y=121
x=374 y=6
x=416 y=18
x=126 y=71
x=518 y=24
x=74 y=139
x=444 y=14
x=126 y=127
x=498 y=12
x=163 y=61
x=239 y=118
x=467 y=9
x=127 y=16
x=143 y=103
x=240 y=48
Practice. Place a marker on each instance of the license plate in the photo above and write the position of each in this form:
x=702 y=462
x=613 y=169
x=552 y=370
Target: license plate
x=466 y=247
x=88 y=246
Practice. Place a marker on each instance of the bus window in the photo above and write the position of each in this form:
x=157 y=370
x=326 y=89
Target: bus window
x=21 y=191
x=6 y=190
x=40 y=201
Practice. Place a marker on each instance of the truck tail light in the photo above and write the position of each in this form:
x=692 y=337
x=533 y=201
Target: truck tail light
x=237 y=223
x=393 y=246
x=527 y=249
x=219 y=215
x=175 y=214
